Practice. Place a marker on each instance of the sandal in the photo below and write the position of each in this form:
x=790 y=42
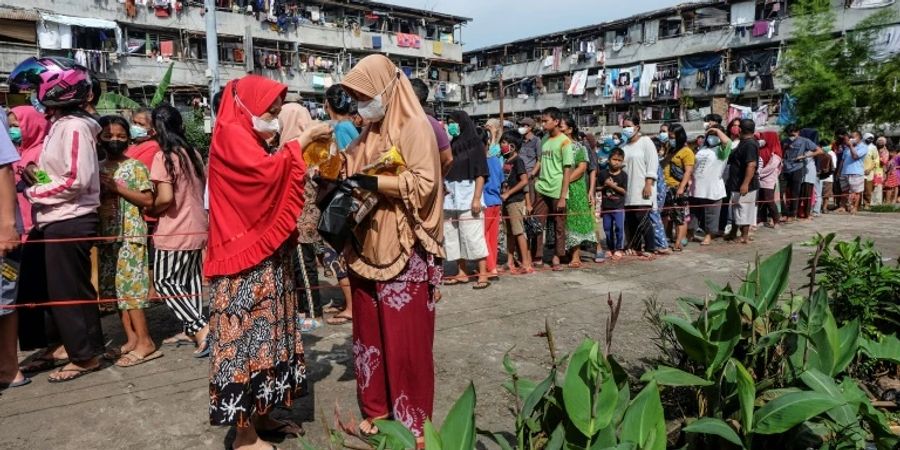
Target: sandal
x=132 y=358
x=370 y=424
x=78 y=371
x=46 y=361
x=338 y=320
x=454 y=281
x=178 y=340
x=331 y=310
x=207 y=347
x=527 y=271
x=575 y=265
x=556 y=268
x=481 y=285
x=15 y=384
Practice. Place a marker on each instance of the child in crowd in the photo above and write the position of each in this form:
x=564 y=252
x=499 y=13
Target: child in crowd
x=552 y=186
x=892 y=176
x=179 y=177
x=124 y=268
x=492 y=201
x=516 y=205
x=613 y=184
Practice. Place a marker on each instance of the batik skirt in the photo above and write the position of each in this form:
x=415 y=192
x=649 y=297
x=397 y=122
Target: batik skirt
x=257 y=360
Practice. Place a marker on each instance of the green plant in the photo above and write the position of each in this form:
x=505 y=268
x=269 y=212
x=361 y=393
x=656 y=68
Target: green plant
x=860 y=286
x=113 y=102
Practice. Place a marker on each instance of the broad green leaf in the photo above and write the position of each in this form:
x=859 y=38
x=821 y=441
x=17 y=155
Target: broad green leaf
x=844 y=415
x=159 y=95
x=607 y=436
x=607 y=401
x=746 y=390
x=717 y=427
x=670 y=376
x=578 y=388
x=693 y=342
x=848 y=340
x=395 y=434
x=537 y=394
x=789 y=410
x=523 y=386
x=771 y=394
x=771 y=339
x=816 y=311
x=766 y=282
x=827 y=345
x=724 y=336
x=432 y=438
x=113 y=102
x=508 y=364
x=888 y=348
x=458 y=429
x=644 y=424
x=557 y=438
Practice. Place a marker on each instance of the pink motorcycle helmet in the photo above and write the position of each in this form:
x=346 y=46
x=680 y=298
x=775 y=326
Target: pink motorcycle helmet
x=57 y=82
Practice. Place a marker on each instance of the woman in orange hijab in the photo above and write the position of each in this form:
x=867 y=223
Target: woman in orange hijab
x=255 y=198
x=392 y=259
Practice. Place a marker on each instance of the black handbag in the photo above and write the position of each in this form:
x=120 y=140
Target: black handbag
x=341 y=212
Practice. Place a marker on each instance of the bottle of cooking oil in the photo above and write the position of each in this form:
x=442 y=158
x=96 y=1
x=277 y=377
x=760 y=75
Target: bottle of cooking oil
x=324 y=155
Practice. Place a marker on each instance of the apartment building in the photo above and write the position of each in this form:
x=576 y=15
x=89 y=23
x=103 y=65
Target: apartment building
x=676 y=64
x=308 y=45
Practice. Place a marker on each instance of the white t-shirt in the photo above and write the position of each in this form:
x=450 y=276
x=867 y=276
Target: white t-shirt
x=708 y=170
x=641 y=162
x=830 y=178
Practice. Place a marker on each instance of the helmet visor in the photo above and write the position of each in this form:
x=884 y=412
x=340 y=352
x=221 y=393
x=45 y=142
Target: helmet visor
x=27 y=74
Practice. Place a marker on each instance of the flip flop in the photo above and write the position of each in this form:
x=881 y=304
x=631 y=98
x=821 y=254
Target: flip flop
x=78 y=374
x=557 y=268
x=206 y=350
x=338 y=320
x=455 y=281
x=575 y=265
x=481 y=285
x=15 y=384
x=134 y=359
x=42 y=364
x=178 y=341
x=331 y=310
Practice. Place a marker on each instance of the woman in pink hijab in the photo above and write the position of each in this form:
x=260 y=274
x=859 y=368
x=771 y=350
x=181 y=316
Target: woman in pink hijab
x=34 y=127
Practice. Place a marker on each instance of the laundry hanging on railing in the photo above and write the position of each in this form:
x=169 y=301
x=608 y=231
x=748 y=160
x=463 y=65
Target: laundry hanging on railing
x=407 y=40
x=579 y=80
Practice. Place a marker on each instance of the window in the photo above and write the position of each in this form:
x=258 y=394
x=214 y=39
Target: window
x=770 y=9
x=154 y=43
x=669 y=27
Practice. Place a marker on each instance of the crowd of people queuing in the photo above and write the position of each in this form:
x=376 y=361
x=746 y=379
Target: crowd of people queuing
x=247 y=221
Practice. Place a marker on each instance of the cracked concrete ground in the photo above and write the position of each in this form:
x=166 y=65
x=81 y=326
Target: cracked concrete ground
x=163 y=404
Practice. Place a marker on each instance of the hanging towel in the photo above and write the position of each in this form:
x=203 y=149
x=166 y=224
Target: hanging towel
x=646 y=79
x=579 y=81
x=376 y=42
x=437 y=47
x=760 y=28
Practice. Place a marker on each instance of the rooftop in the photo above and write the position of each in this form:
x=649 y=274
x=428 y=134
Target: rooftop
x=397 y=10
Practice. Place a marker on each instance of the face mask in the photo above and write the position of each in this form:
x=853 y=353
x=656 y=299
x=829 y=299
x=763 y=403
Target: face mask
x=617 y=142
x=735 y=131
x=114 y=148
x=713 y=141
x=523 y=131
x=372 y=110
x=138 y=132
x=505 y=149
x=663 y=137
x=852 y=141
x=453 y=129
x=266 y=128
x=628 y=133
x=705 y=125
x=761 y=143
x=15 y=133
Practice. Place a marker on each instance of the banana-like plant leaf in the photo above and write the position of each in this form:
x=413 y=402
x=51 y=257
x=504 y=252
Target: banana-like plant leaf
x=717 y=427
x=695 y=345
x=746 y=390
x=888 y=348
x=394 y=434
x=159 y=95
x=578 y=388
x=607 y=401
x=557 y=438
x=114 y=101
x=766 y=282
x=644 y=424
x=606 y=438
x=432 y=437
x=845 y=414
x=458 y=429
x=523 y=386
x=670 y=376
x=848 y=345
x=827 y=346
x=537 y=394
x=725 y=336
x=790 y=410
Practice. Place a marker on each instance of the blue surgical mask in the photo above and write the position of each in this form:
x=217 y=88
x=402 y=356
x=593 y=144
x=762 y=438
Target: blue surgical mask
x=453 y=129
x=663 y=137
x=628 y=133
x=15 y=134
x=138 y=132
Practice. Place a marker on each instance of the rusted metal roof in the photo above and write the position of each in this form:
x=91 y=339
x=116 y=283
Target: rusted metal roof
x=19 y=14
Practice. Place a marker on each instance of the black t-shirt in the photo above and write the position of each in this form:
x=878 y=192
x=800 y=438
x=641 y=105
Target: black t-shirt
x=746 y=152
x=514 y=169
x=612 y=200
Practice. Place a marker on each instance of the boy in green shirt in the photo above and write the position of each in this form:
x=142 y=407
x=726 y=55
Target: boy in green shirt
x=552 y=186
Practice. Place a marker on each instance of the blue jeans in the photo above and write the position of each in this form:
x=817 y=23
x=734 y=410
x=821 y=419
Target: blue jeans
x=614 y=227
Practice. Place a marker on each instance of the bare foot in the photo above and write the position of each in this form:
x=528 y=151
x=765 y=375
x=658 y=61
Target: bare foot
x=367 y=426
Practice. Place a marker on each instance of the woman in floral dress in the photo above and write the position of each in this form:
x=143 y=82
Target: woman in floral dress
x=580 y=224
x=124 y=267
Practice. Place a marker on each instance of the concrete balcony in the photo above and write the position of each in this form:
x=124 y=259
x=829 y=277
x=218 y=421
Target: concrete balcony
x=671 y=48
x=233 y=24
x=13 y=54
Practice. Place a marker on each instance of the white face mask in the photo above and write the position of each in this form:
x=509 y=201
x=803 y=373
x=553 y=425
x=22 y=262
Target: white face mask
x=371 y=111
x=266 y=128
x=523 y=131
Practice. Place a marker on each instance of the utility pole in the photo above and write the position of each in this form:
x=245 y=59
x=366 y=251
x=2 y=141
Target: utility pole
x=212 y=51
x=501 y=97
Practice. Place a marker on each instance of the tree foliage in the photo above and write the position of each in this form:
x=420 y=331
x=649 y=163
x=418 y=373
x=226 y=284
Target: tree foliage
x=834 y=78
